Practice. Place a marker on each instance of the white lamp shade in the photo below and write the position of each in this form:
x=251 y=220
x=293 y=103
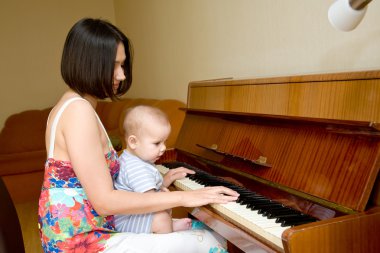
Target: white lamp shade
x=343 y=17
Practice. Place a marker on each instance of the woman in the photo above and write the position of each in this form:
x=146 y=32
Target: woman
x=77 y=200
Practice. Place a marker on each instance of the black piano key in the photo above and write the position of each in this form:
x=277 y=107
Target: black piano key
x=266 y=209
x=239 y=189
x=176 y=164
x=243 y=200
x=297 y=218
x=252 y=203
x=252 y=198
x=296 y=222
x=248 y=193
x=244 y=190
x=280 y=208
x=265 y=206
x=255 y=199
x=289 y=216
x=270 y=214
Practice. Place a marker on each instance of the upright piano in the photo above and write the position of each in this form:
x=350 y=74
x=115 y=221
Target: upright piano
x=302 y=151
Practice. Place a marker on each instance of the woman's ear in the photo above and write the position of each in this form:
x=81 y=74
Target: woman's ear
x=132 y=141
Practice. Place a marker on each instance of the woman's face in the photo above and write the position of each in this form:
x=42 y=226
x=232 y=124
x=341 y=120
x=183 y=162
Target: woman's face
x=118 y=74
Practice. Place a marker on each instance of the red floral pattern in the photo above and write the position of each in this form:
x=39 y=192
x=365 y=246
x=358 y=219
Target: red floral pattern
x=67 y=220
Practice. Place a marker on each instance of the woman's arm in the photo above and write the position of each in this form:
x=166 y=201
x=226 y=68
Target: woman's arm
x=86 y=145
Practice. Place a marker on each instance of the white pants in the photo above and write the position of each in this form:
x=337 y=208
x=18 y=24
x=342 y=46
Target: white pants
x=189 y=241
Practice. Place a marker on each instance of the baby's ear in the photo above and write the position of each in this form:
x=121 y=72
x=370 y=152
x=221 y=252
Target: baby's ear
x=132 y=141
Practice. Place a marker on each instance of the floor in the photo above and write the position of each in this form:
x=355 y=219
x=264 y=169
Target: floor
x=27 y=213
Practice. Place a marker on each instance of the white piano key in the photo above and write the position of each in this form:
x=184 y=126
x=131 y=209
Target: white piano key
x=277 y=231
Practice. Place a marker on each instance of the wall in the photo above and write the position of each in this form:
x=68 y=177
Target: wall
x=32 y=36
x=177 y=41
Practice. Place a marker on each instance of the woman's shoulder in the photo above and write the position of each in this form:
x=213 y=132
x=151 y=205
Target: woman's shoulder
x=74 y=112
x=74 y=104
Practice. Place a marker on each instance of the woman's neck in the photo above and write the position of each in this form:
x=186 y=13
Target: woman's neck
x=92 y=100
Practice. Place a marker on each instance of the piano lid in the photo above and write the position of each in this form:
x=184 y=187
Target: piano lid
x=316 y=135
x=343 y=96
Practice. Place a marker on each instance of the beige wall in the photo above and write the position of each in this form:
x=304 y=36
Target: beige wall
x=32 y=35
x=177 y=41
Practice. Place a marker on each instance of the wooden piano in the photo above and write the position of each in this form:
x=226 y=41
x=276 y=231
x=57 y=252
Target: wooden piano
x=307 y=146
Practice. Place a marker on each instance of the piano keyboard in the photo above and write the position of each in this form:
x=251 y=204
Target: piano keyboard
x=251 y=215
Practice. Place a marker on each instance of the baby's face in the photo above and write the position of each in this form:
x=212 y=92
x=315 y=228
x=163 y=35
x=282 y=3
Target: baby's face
x=151 y=142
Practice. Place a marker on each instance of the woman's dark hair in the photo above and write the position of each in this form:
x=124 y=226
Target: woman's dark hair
x=88 y=59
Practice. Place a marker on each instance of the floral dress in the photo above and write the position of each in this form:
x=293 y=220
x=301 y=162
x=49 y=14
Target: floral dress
x=67 y=221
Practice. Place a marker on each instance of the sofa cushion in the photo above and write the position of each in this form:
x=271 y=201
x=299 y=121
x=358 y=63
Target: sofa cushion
x=19 y=163
x=109 y=112
x=24 y=131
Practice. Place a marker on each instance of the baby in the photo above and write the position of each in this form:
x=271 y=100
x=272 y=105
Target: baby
x=146 y=130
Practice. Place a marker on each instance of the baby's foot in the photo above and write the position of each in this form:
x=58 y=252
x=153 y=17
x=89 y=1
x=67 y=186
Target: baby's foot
x=181 y=224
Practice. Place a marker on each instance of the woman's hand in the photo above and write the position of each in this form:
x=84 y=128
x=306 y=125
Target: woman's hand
x=174 y=174
x=208 y=195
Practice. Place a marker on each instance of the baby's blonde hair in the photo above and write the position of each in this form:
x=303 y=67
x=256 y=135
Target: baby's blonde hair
x=140 y=117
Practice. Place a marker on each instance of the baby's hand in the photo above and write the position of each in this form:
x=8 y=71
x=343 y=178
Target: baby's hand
x=174 y=174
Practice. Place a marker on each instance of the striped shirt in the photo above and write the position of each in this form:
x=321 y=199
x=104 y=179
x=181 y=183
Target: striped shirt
x=136 y=175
